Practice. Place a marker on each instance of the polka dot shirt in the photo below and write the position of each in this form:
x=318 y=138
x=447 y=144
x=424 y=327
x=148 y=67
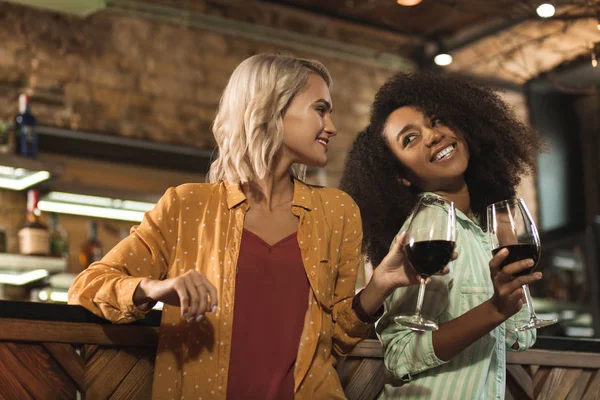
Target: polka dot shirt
x=199 y=226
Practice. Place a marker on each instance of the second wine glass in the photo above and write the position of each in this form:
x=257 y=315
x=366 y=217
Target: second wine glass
x=511 y=227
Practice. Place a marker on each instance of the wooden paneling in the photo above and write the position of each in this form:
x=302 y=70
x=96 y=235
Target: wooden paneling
x=33 y=373
x=58 y=360
x=52 y=371
x=533 y=374
x=121 y=363
x=66 y=356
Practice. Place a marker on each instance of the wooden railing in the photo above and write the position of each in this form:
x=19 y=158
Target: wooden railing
x=533 y=374
x=56 y=360
x=56 y=353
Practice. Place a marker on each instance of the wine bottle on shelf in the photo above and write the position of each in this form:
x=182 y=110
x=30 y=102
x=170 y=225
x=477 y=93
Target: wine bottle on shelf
x=59 y=239
x=34 y=236
x=26 y=140
x=91 y=250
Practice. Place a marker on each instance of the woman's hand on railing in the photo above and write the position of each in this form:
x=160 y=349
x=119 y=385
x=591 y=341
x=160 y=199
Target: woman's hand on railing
x=191 y=291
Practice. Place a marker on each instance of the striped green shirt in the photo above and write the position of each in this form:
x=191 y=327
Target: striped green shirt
x=413 y=371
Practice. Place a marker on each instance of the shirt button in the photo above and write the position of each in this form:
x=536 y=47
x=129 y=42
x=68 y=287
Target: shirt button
x=312 y=273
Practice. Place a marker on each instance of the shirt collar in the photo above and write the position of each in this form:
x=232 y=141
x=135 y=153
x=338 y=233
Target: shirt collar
x=459 y=214
x=235 y=194
x=303 y=194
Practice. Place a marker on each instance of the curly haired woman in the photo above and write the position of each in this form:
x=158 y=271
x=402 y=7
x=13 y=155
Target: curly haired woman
x=446 y=137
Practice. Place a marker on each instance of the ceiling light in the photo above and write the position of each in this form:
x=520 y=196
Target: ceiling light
x=546 y=10
x=443 y=59
x=408 y=3
x=94 y=206
x=20 y=178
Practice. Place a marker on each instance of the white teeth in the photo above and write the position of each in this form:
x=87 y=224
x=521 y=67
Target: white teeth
x=322 y=141
x=447 y=151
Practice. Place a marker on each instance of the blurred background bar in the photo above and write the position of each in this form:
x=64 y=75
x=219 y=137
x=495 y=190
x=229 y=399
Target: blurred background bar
x=104 y=104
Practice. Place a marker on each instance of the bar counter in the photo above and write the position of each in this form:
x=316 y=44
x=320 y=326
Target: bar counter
x=55 y=351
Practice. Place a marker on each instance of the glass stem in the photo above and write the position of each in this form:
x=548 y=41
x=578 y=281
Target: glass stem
x=529 y=301
x=421 y=296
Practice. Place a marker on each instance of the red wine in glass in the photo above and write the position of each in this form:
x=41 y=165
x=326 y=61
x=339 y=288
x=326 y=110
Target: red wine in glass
x=429 y=257
x=518 y=252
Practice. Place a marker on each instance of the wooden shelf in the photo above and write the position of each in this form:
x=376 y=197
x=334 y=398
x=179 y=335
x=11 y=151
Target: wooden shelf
x=119 y=149
x=31 y=164
x=9 y=261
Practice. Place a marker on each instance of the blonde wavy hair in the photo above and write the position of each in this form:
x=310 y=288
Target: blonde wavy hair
x=248 y=127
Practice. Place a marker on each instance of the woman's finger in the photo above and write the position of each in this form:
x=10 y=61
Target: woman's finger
x=496 y=262
x=203 y=295
x=399 y=243
x=443 y=271
x=214 y=298
x=194 y=301
x=184 y=298
x=519 y=266
x=517 y=296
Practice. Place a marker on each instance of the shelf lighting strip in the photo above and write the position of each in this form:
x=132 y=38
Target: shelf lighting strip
x=94 y=206
x=20 y=178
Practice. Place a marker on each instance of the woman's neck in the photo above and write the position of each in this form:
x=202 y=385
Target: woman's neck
x=460 y=197
x=274 y=190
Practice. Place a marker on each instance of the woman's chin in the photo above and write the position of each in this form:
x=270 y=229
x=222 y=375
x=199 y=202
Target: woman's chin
x=315 y=163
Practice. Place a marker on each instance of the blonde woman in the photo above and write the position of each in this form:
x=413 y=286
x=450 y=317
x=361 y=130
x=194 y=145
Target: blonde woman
x=256 y=269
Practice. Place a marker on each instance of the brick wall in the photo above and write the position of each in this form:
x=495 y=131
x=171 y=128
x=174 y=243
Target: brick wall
x=160 y=81
x=144 y=78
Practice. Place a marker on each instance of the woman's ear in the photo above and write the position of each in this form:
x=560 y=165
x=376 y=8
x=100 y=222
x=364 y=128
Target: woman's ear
x=406 y=182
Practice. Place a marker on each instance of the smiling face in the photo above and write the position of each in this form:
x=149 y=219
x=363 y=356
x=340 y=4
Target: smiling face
x=433 y=156
x=307 y=124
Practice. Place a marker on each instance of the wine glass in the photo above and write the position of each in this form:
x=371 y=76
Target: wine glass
x=429 y=245
x=511 y=227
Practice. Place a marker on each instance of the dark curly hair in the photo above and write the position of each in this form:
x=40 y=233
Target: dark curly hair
x=501 y=150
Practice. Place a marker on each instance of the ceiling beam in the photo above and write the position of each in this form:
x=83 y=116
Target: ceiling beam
x=474 y=33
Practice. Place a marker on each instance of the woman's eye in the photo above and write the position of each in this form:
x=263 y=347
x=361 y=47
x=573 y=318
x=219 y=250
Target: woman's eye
x=436 y=121
x=408 y=139
x=321 y=110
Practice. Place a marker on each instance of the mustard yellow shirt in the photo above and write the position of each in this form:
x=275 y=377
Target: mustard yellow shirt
x=200 y=226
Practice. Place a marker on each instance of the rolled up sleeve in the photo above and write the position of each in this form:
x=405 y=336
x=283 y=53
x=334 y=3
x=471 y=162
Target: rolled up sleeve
x=406 y=352
x=525 y=339
x=106 y=287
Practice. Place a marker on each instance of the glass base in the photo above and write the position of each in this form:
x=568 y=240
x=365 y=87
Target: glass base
x=416 y=323
x=536 y=323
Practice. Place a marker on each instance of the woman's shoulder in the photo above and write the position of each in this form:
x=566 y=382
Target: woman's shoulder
x=334 y=196
x=197 y=190
x=335 y=204
x=197 y=194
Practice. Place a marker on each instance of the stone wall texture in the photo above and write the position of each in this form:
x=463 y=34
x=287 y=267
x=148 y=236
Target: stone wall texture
x=161 y=81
